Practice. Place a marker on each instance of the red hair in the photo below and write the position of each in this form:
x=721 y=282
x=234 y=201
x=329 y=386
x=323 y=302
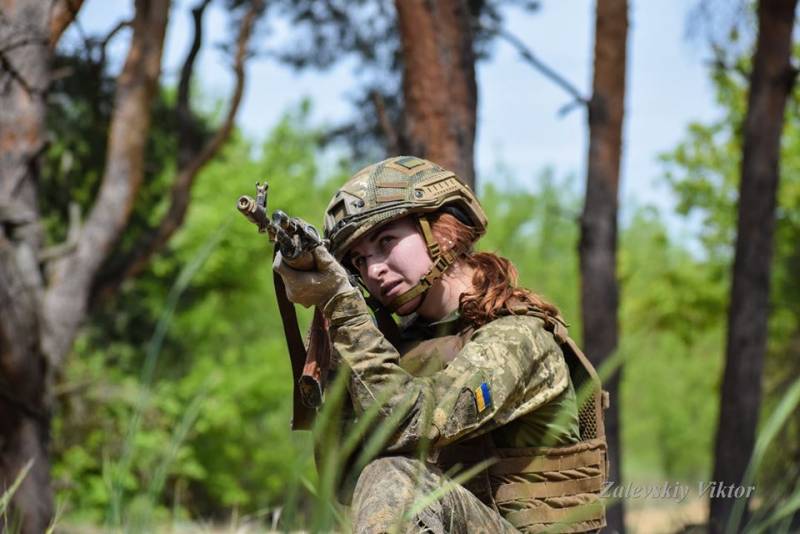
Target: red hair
x=494 y=279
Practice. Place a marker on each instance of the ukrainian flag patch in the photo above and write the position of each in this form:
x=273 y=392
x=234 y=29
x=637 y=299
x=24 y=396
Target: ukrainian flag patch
x=483 y=397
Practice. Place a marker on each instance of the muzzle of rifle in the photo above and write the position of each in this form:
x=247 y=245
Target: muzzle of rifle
x=254 y=213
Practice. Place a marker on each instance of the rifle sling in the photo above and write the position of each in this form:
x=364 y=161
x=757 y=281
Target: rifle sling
x=303 y=416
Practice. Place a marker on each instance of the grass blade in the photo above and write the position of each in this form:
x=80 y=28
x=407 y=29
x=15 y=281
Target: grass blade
x=5 y=499
x=120 y=468
x=768 y=433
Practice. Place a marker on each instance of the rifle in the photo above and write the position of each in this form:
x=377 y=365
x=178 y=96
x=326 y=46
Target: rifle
x=295 y=239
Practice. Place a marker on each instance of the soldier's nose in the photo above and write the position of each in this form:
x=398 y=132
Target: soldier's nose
x=377 y=270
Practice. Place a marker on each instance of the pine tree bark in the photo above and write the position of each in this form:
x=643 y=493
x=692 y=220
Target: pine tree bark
x=439 y=84
x=40 y=317
x=24 y=420
x=598 y=241
x=771 y=81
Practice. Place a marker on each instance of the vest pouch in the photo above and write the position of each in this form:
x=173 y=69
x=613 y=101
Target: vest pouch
x=555 y=489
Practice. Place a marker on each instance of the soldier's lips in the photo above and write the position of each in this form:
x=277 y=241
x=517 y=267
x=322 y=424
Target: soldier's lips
x=392 y=289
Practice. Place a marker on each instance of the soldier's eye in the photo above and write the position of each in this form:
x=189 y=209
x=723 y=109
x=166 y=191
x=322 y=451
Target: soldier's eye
x=357 y=262
x=385 y=241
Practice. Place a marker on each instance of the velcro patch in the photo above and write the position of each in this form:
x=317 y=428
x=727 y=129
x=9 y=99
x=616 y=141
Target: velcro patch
x=389 y=195
x=483 y=397
x=409 y=162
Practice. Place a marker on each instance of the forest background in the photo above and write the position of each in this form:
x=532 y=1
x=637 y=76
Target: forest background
x=173 y=404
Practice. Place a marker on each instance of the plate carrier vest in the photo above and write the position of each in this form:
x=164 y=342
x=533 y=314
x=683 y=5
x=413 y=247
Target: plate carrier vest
x=554 y=489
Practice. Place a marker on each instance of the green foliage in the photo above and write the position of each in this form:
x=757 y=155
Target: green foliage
x=224 y=353
x=213 y=437
x=79 y=113
x=228 y=361
x=704 y=173
x=670 y=341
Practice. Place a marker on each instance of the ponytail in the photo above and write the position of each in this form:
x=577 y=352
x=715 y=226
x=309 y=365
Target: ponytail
x=494 y=280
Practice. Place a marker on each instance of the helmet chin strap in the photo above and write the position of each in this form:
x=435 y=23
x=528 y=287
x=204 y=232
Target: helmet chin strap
x=442 y=260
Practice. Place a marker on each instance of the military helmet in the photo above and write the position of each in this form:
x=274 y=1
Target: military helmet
x=394 y=188
x=391 y=189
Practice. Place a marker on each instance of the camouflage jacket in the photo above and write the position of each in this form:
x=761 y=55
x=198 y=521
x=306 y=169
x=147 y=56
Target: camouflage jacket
x=510 y=376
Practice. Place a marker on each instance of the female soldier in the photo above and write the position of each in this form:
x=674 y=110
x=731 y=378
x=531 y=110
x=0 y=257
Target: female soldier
x=478 y=371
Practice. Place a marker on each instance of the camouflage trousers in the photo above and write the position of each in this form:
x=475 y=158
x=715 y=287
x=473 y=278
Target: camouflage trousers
x=388 y=488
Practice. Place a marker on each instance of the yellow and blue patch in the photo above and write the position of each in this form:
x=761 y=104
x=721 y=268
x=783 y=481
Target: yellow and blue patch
x=483 y=397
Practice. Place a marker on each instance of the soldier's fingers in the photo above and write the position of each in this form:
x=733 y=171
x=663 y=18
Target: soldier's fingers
x=284 y=239
x=282 y=268
x=323 y=258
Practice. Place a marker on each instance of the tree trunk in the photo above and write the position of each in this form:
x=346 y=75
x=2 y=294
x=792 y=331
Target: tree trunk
x=67 y=295
x=24 y=420
x=62 y=13
x=439 y=82
x=598 y=242
x=39 y=322
x=24 y=414
x=771 y=81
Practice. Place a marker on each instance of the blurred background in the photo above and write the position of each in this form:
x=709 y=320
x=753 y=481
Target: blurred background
x=639 y=163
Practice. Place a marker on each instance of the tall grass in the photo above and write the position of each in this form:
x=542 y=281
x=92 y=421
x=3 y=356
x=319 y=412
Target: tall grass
x=118 y=470
x=5 y=499
x=781 y=514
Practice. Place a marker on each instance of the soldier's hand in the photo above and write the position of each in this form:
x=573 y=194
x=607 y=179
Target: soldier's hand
x=317 y=287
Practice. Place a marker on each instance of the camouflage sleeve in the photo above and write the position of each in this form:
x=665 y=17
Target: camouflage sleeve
x=508 y=368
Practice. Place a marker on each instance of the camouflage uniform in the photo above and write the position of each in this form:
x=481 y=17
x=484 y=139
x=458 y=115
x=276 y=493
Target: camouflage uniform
x=389 y=486
x=503 y=391
x=510 y=379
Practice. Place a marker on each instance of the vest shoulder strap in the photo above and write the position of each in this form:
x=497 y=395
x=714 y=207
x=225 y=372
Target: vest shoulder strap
x=592 y=399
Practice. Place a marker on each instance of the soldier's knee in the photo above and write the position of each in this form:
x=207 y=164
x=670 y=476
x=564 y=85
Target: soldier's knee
x=394 y=469
x=384 y=491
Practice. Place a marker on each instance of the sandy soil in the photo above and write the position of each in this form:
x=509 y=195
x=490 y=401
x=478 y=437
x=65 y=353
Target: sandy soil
x=666 y=518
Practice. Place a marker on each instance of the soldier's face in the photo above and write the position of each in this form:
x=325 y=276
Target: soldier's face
x=391 y=260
